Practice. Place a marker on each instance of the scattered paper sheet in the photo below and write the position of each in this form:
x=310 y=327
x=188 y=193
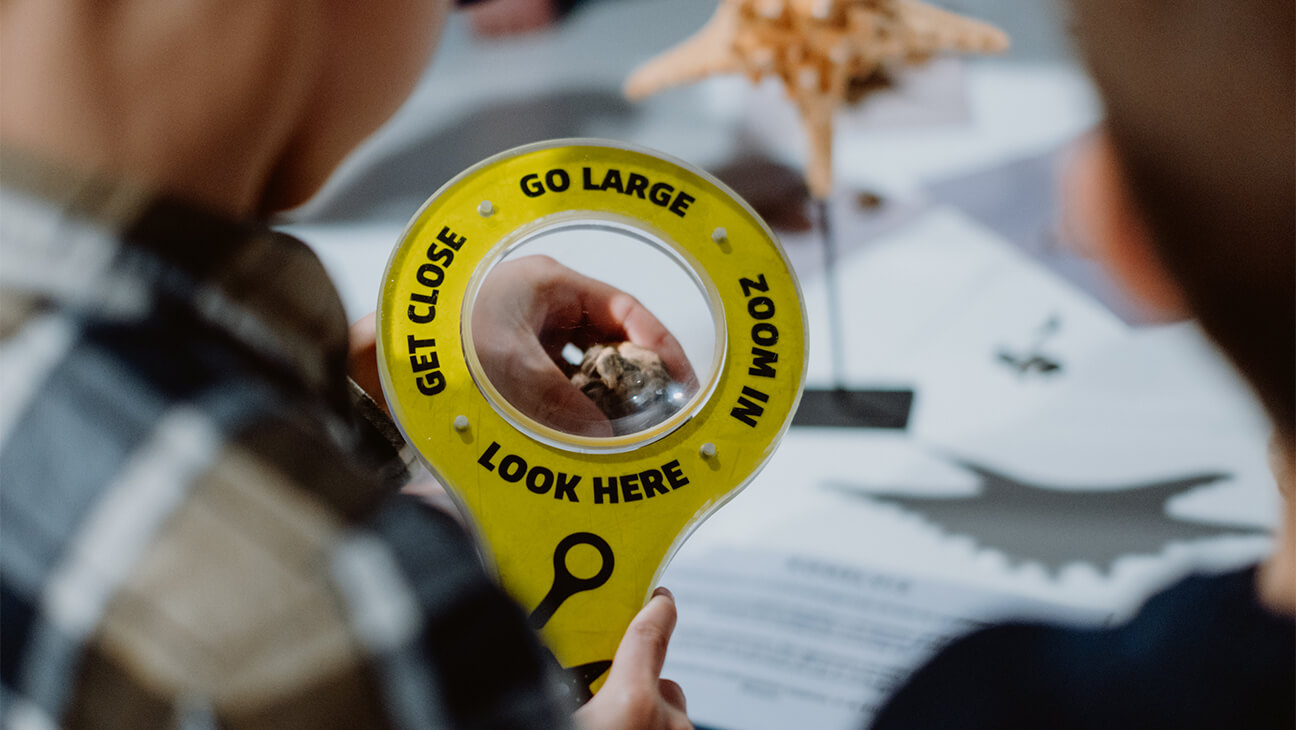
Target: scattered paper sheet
x=776 y=640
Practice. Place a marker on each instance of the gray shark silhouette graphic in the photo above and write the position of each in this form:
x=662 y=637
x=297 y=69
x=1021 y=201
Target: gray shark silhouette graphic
x=1035 y=522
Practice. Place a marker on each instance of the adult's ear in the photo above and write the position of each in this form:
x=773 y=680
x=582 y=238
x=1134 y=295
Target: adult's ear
x=1103 y=213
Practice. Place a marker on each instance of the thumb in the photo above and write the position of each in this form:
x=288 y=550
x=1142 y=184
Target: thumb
x=518 y=366
x=551 y=399
x=642 y=652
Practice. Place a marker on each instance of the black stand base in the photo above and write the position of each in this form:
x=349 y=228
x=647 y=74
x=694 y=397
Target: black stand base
x=841 y=408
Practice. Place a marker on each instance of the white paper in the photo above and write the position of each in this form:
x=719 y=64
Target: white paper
x=777 y=640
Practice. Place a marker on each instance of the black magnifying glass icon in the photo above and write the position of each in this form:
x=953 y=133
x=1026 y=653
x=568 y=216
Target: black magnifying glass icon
x=565 y=585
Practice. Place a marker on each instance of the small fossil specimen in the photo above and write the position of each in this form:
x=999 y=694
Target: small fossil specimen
x=629 y=384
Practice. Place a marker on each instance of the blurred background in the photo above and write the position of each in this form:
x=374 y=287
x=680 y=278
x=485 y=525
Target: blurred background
x=484 y=94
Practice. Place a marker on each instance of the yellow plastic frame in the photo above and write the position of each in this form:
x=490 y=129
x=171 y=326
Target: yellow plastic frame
x=702 y=456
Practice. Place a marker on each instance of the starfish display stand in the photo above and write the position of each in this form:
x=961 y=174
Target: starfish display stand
x=819 y=50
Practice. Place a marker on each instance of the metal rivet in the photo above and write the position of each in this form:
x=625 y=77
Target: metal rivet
x=485 y=209
x=720 y=235
x=708 y=450
x=461 y=423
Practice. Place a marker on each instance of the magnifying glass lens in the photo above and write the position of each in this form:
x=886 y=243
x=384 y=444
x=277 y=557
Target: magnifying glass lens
x=593 y=328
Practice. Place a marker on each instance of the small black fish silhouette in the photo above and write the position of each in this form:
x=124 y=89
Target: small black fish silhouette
x=1033 y=358
x=1041 y=364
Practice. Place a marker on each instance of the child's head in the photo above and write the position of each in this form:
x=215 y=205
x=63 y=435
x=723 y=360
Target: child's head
x=242 y=105
x=1190 y=191
x=368 y=56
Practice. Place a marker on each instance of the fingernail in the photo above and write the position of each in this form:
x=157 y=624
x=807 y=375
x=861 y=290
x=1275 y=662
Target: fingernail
x=663 y=591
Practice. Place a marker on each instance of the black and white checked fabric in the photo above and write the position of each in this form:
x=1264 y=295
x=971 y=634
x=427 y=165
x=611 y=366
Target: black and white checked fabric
x=196 y=528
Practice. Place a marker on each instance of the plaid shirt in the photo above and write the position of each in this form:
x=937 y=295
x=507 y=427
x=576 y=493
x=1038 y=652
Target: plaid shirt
x=193 y=528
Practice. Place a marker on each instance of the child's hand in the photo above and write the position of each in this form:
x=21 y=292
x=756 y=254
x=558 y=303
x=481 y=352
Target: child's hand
x=362 y=358
x=635 y=697
x=529 y=308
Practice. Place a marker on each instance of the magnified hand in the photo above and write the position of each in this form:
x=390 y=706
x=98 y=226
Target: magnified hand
x=528 y=309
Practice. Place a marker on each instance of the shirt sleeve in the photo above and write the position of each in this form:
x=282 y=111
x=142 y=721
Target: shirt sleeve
x=284 y=592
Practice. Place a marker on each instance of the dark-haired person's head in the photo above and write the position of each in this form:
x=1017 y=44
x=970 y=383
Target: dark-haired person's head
x=1188 y=192
x=1190 y=186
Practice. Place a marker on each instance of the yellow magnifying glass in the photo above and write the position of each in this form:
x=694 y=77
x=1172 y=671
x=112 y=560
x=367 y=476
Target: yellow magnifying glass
x=578 y=523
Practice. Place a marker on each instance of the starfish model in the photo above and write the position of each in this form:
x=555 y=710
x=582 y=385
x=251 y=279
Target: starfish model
x=816 y=48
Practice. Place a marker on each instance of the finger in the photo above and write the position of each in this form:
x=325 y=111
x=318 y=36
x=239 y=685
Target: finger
x=642 y=652
x=614 y=314
x=534 y=385
x=561 y=405
x=363 y=333
x=673 y=694
x=645 y=330
x=362 y=357
x=586 y=311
